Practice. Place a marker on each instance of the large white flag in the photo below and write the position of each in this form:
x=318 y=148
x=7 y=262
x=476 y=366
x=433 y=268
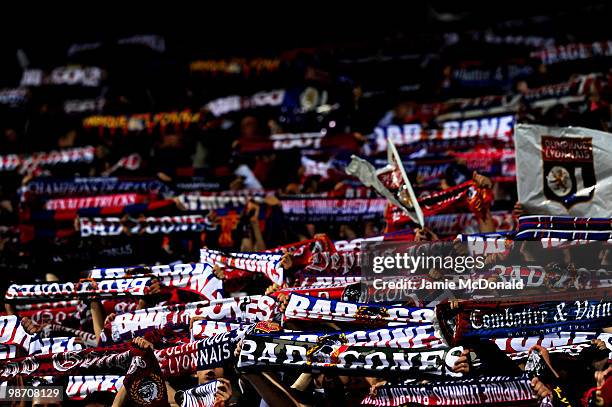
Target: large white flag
x=564 y=170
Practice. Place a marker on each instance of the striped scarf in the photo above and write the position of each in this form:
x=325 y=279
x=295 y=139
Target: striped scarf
x=173 y=361
x=267 y=264
x=28 y=163
x=407 y=337
x=99 y=201
x=237 y=309
x=301 y=307
x=198 y=278
x=563 y=227
x=80 y=387
x=263 y=352
x=200 y=396
x=85 y=289
x=498 y=391
x=47 y=187
x=480 y=319
x=523 y=344
x=150 y=225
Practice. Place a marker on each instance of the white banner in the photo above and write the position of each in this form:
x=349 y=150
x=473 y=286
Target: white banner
x=564 y=170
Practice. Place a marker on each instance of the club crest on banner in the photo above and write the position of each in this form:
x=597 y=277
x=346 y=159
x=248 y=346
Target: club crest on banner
x=563 y=171
x=569 y=172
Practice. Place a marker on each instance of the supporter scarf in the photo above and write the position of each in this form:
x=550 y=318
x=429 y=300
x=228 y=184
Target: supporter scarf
x=173 y=361
x=308 y=280
x=480 y=391
x=12 y=332
x=337 y=291
x=559 y=295
x=83 y=289
x=303 y=307
x=442 y=147
x=80 y=387
x=332 y=210
x=130 y=162
x=427 y=172
x=200 y=396
x=47 y=305
x=66 y=75
x=340 y=263
x=211 y=202
x=302 y=251
x=543 y=97
x=99 y=201
x=397 y=189
x=196 y=184
x=228 y=104
x=564 y=223
x=91 y=186
x=13 y=97
x=498 y=163
x=355 y=244
x=85 y=361
x=554 y=278
x=346 y=190
x=523 y=344
x=154 y=42
x=408 y=337
x=236 y=66
x=510 y=39
x=105 y=253
x=54 y=345
x=88 y=339
x=51 y=312
x=487 y=128
x=572 y=350
x=260 y=352
x=501 y=76
x=199 y=355
x=573 y=51
x=202 y=328
x=143 y=121
x=237 y=309
x=470 y=319
x=150 y=225
x=166 y=205
x=77 y=106
x=566 y=92
x=266 y=264
x=467 y=194
x=161 y=270
x=301 y=141
x=452 y=224
x=119 y=305
x=8 y=352
x=194 y=277
x=248 y=193
x=486 y=243
x=543 y=234
x=143 y=382
x=28 y=163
